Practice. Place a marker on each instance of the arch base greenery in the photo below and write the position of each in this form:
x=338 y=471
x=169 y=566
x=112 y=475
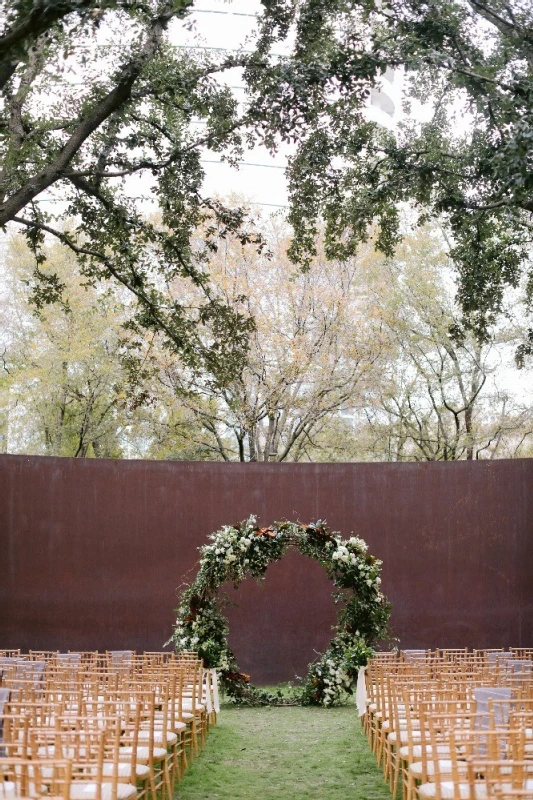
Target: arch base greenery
x=245 y=549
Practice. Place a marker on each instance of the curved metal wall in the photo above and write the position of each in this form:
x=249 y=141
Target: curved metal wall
x=92 y=552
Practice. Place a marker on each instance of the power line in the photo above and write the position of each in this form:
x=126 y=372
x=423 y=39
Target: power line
x=227 y=13
x=241 y=163
x=109 y=45
x=155 y=200
x=272 y=205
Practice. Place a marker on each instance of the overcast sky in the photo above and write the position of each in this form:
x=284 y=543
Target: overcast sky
x=220 y=24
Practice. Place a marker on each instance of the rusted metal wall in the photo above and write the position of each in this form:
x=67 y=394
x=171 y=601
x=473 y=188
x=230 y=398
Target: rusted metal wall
x=92 y=553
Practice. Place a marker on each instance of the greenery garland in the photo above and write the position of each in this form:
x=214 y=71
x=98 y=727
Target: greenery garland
x=245 y=549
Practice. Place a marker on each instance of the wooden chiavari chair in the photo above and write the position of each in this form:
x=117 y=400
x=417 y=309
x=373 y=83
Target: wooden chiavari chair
x=449 y=777
x=147 y=745
x=91 y=745
x=25 y=779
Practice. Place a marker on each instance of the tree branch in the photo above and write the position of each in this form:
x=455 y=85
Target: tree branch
x=108 y=105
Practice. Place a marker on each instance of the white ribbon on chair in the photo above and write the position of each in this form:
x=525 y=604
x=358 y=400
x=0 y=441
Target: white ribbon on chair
x=207 y=689
x=360 y=692
x=211 y=691
x=214 y=683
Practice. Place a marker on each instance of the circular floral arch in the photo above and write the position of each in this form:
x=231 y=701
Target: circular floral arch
x=246 y=550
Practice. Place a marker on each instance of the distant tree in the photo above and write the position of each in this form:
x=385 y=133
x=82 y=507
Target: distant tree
x=316 y=346
x=64 y=385
x=441 y=397
x=348 y=361
x=167 y=429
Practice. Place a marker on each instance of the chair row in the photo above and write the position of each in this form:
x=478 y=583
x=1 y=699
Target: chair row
x=106 y=734
x=452 y=734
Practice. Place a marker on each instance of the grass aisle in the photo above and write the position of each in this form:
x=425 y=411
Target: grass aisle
x=285 y=754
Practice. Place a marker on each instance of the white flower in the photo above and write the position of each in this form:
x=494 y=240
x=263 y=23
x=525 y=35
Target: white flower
x=378 y=581
x=368 y=582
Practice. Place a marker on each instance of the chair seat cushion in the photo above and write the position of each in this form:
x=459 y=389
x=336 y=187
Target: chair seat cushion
x=402 y=724
x=167 y=739
x=177 y=726
x=449 y=790
x=417 y=749
x=8 y=790
x=143 y=753
x=187 y=705
x=49 y=751
x=88 y=791
x=444 y=767
x=404 y=737
x=124 y=770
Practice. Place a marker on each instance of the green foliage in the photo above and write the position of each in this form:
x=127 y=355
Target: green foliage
x=469 y=60
x=132 y=111
x=244 y=549
x=135 y=111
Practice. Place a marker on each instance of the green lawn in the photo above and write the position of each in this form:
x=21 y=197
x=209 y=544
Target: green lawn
x=285 y=754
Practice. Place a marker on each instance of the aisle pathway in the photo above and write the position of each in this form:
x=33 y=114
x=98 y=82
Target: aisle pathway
x=285 y=754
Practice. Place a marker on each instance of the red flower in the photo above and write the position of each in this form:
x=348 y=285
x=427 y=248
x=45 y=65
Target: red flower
x=266 y=532
x=238 y=677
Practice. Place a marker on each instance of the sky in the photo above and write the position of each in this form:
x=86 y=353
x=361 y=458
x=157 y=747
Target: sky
x=220 y=24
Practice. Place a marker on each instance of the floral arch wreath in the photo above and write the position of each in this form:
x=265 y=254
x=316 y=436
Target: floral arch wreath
x=246 y=550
